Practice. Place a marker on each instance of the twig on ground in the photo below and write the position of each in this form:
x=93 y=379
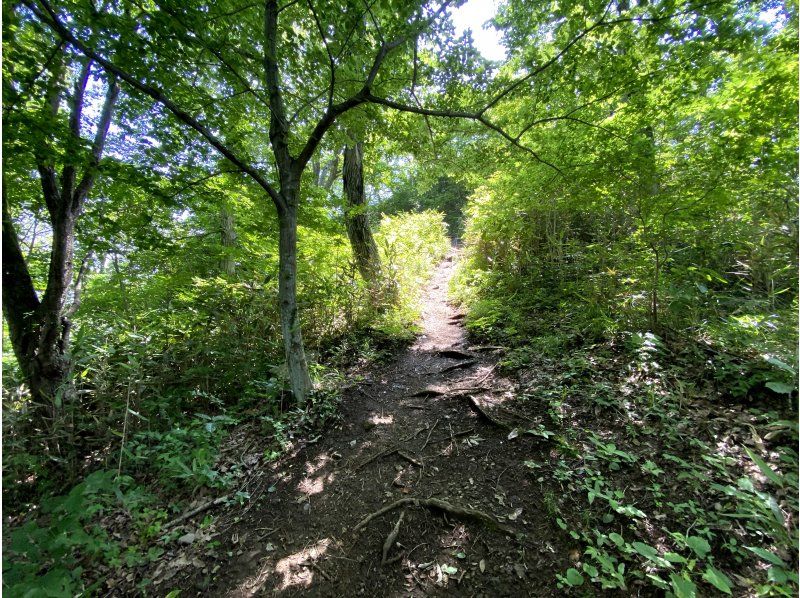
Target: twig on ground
x=464 y=389
x=320 y=570
x=436 y=423
x=366 y=394
x=384 y=453
x=409 y=458
x=488 y=348
x=427 y=393
x=497 y=483
x=486 y=375
x=454 y=435
x=414 y=435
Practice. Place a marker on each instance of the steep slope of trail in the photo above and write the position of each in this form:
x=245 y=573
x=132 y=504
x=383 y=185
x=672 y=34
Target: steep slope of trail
x=421 y=427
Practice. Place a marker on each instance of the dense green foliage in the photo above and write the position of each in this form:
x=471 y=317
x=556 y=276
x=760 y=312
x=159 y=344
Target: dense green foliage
x=163 y=381
x=660 y=274
x=624 y=186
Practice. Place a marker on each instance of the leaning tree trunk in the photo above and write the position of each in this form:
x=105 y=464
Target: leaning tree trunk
x=365 y=250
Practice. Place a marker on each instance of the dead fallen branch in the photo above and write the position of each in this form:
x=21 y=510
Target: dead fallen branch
x=439 y=505
x=196 y=511
x=390 y=539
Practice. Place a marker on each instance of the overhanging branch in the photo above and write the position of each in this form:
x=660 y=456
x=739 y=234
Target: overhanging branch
x=52 y=21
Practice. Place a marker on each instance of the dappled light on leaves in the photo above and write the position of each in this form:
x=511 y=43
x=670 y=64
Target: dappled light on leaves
x=320 y=298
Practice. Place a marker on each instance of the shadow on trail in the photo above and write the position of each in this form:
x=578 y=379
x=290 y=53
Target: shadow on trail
x=422 y=427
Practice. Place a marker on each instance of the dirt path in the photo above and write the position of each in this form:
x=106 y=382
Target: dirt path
x=407 y=432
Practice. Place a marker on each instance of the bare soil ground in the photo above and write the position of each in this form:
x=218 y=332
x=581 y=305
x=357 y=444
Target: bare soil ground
x=429 y=425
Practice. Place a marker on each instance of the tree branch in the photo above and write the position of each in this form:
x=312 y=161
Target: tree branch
x=547 y=64
x=61 y=30
x=476 y=116
x=99 y=144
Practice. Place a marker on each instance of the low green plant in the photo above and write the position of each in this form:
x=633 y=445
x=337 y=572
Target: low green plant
x=52 y=554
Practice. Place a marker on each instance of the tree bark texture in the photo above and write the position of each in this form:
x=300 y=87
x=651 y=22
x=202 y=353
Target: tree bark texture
x=365 y=250
x=294 y=350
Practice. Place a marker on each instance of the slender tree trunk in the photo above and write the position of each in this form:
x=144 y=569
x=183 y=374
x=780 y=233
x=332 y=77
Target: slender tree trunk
x=287 y=295
x=228 y=238
x=365 y=250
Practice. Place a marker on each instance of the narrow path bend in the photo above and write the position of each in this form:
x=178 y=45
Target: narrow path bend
x=407 y=432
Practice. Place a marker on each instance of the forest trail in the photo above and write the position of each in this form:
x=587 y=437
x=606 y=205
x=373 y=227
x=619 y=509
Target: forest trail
x=419 y=427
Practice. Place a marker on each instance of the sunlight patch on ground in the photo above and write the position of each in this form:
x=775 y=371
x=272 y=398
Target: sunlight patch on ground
x=314 y=485
x=381 y=419
x=321 y=461
x=295 y=568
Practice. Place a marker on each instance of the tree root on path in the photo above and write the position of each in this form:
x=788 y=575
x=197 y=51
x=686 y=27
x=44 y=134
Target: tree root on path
x=473 y=402
x=386 y=453
x=454 y=354
x=457 y=366
x=439 y=505
x=390 y=539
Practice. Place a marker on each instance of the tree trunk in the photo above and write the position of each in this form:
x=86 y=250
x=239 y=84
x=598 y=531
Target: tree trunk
x=365 y=250
x=296 y=363
x=39 y=329
x=228 y=238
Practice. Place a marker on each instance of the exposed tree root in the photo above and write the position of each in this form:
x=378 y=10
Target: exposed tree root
x=457 y=366
x=390 y=539
x=428 y=392
x=439 y=505
x=455 y=354
x=473 y=402
x=386 y=453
